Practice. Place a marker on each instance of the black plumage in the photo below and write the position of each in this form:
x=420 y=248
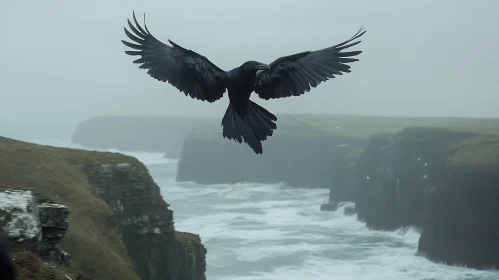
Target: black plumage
x=196 y=76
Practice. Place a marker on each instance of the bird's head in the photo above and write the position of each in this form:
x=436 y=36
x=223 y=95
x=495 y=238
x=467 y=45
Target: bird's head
x=253 y=66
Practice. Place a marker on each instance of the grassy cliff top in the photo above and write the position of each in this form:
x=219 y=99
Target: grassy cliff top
x=465 y=149
x=92 y=238
x=187 y=238
x=362 y=126
x=477 y=151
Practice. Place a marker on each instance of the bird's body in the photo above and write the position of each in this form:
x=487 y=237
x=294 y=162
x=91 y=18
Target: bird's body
x=244 y=120
x=239 y=87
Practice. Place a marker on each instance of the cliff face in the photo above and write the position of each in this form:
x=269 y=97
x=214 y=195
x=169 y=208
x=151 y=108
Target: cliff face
x=395 y=172
x=137 y=133
x=121 y=228
x=299 y=156
x=460 y=225
x=146 y=224
x=442 y=181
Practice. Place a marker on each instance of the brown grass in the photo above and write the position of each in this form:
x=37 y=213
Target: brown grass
x=92 y=238
x=31 y=267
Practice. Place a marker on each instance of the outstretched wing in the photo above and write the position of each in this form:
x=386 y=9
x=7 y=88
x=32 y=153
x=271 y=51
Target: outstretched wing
x=295 y=74
x=188 y=71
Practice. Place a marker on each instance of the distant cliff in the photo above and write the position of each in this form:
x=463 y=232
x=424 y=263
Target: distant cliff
x=163 y=134
x=297 y=154
x=120 y=226
x=305 y=151
x=442 y=181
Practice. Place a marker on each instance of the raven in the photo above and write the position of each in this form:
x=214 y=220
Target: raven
x=244 y=120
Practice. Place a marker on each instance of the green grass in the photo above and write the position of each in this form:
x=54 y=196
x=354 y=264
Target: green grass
x=92 y=238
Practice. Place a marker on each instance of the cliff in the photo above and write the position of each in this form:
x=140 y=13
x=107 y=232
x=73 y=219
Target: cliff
x=298 y=154
x=163 y=134
x=305 y=150
x=120 y=226
x=442 y=181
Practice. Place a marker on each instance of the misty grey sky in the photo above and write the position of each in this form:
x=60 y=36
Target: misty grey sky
x=62 y=61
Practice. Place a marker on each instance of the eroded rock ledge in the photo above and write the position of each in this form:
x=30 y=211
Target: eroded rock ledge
x=34 y=227
x=157 y=251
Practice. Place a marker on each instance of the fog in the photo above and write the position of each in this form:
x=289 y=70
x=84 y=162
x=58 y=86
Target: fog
x=62 y=61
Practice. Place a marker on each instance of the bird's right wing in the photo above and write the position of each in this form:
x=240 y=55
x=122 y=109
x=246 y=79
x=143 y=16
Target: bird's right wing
x=293 y=75
x=188 y=71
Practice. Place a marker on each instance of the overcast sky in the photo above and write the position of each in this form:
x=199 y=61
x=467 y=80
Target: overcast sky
x=62 y=61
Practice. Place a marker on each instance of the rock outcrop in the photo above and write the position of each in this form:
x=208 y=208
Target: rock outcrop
x=163 y=134
x=120 y=226
x=35 y=229
x=441 y=181
x=146 y=224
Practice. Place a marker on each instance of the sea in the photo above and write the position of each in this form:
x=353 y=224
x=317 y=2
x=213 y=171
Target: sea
x=274 y=232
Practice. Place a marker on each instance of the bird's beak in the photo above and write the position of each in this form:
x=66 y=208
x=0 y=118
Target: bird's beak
x=262 y=66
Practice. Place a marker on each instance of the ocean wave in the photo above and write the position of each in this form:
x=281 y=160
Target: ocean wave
x=270 y=231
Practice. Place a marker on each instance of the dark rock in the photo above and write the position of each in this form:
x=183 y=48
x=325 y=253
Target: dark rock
x=349 y=210
x=54 y=222
x=460 y=225
x=146 y=224
x=329 y=207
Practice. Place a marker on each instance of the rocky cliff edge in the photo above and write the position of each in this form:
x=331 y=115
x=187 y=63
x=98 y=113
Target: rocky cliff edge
x=119 y=225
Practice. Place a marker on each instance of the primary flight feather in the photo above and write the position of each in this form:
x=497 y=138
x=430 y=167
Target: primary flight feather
x=199 y=78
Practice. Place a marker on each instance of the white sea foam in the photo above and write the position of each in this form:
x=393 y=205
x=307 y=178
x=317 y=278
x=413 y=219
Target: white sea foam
x=258 y=231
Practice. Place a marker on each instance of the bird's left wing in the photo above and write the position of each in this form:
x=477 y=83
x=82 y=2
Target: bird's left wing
x=295 y=74
x=188 y=71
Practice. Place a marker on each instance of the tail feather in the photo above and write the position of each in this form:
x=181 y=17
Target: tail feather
x=252 y=126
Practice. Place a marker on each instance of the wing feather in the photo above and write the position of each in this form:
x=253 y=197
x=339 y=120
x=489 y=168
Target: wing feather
x=296 y=74
x=188 y=71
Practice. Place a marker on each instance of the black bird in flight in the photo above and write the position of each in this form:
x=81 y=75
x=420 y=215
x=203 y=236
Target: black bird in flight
x=244 y=120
